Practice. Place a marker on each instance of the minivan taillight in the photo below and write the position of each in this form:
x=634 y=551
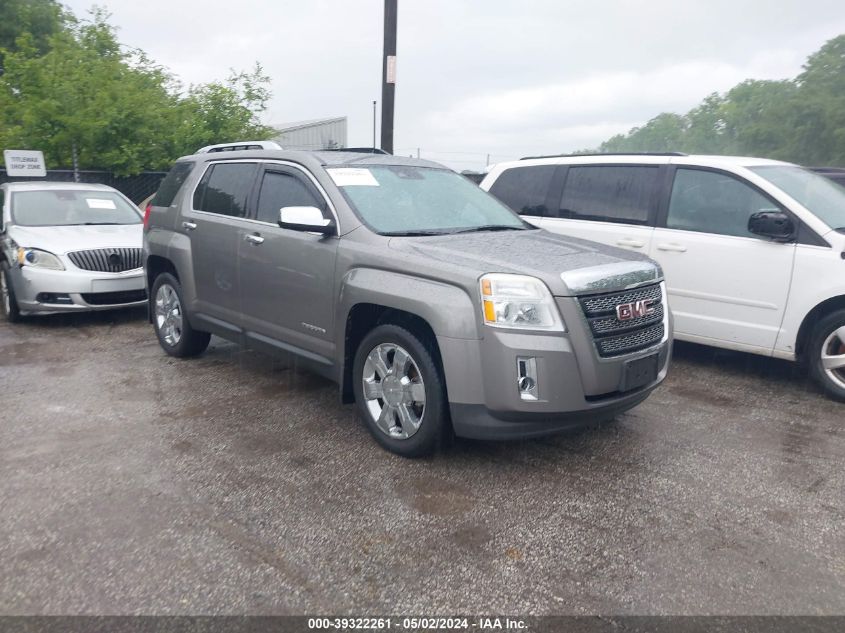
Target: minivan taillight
x=147 y=216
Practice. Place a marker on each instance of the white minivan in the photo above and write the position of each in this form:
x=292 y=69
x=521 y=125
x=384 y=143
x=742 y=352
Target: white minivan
x=753 y=250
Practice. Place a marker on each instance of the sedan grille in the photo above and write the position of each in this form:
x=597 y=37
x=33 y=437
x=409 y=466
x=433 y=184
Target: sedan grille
x=107 y=260
x=614 y=337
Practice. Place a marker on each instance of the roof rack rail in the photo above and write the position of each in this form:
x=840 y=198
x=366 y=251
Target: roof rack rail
x=607 y=154
x=357 y=150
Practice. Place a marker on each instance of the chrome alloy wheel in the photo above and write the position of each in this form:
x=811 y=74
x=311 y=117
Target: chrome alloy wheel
x=168 y=313
x=394 y=391
x=833 y=356
x=4 y=293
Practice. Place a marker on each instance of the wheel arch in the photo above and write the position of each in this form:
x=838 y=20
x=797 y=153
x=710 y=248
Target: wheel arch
x=362 y=318
x=814 y=316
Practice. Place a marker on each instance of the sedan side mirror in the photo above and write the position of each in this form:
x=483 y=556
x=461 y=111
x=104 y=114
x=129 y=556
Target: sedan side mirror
x=308 y=219
x=772 y=224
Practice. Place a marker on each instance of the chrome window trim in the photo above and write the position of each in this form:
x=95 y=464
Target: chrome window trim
x=263 y=161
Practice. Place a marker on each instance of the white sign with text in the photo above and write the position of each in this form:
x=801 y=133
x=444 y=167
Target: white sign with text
x=24 y=162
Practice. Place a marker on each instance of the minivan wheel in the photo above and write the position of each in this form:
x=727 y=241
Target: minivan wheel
x=7 y=298
x=174 y=331
x=400 y=392
x=827 y=354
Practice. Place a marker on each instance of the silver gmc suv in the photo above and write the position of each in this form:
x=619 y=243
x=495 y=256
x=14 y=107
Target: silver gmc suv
x=432 y=305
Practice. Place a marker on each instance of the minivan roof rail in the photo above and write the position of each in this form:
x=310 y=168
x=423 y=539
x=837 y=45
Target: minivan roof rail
x=356 y=150
x=607 y=154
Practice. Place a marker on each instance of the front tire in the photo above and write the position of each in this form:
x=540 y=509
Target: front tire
x=826 y=354
x=174 y=331
x=400 y=392
x=9 y=302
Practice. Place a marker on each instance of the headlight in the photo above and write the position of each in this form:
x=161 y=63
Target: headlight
x=519 y=301
x=39 y=259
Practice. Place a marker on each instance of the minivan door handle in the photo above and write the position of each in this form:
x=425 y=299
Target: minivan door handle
x=632 y=243
x=672 y=246
x=189 y=226
x=254 y=238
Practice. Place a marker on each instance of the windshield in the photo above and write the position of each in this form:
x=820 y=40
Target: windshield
x=823 y=197
x=401 y=200
x=65 y=207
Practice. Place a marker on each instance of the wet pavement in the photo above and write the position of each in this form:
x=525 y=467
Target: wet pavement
x=131 y=482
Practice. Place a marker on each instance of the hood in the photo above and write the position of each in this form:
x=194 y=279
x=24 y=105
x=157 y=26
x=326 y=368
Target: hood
x=63 y=239
x=569 y=266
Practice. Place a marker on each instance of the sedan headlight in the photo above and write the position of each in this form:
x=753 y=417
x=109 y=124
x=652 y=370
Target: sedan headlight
x=519 y=301
x=39 y=259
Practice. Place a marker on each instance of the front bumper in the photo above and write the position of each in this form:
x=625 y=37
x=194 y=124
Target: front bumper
x=41 y=291
x=575 y=386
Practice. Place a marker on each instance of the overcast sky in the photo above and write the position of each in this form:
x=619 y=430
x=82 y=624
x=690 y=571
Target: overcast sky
x=501 y=77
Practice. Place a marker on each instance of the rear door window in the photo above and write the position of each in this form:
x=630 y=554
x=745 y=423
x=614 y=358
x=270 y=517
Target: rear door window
x=283 y=188
x=524 y=189
x=224 y=189
x=625 y=194
x=171 y=184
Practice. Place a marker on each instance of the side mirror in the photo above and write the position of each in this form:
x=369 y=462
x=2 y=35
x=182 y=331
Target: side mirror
x=772 y=224
x=308 y=219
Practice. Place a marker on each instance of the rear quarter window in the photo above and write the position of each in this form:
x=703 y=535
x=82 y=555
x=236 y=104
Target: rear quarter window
x=171 y=184
x=224 y=189
x=524 y=189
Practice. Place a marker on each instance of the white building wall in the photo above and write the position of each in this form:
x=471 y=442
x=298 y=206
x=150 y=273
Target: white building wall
x=313 y=135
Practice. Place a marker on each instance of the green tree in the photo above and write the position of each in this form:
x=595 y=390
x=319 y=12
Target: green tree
x=220 y=112
x=87 y=95
x=112 y=107
x=41 y=19
x=800 y=120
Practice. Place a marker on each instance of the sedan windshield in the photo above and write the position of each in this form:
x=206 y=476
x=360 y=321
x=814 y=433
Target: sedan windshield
x=66 y=207
x=402 y=200
x=823 y=197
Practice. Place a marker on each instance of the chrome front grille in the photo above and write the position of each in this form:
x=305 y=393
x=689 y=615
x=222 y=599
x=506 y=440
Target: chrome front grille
x=107 y=260
x=614 y=337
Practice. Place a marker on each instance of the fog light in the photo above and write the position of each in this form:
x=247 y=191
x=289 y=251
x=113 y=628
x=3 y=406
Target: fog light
x=54 y=297
x=526 y=378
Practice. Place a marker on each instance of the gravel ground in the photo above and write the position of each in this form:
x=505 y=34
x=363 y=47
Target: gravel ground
x=131 y=482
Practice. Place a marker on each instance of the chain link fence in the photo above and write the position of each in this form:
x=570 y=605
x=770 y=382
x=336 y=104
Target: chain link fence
x=136 y=188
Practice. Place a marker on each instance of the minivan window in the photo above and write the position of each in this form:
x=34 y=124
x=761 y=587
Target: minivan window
x=169 y=187
x=280 y=189
x=224 y=189
x=397 y=200
x=823 y=197
x=524 y=189
x=714 y=202
x=70 y=207
x=609 y=193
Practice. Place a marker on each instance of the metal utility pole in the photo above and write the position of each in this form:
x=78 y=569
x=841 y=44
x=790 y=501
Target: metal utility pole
x=374 y=125
x=388 y=86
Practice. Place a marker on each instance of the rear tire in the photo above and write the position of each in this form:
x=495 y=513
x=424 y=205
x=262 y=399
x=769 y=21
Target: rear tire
x=172 y=327
x=826 y=354
x=9 y=302
x=404 y=405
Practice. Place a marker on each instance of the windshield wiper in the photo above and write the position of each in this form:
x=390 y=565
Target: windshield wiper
x=415 y=232
x=490 y=227
x=101 y=223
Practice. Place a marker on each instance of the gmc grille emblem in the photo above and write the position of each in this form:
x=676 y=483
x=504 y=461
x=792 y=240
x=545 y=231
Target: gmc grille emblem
x=634 y=310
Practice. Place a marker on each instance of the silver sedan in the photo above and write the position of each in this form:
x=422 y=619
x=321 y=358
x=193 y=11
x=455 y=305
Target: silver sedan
x=67 y=247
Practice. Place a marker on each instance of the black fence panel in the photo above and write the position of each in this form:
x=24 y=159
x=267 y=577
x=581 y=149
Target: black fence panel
x=136 y=188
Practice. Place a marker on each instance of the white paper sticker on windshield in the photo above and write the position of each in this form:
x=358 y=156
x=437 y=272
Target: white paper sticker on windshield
x=100 y=203
x=350 y=177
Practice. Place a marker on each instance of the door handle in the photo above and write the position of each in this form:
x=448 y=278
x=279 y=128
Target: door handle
x=189 y=226
x=627 y=241
x=254 y=238
x=672 y=246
